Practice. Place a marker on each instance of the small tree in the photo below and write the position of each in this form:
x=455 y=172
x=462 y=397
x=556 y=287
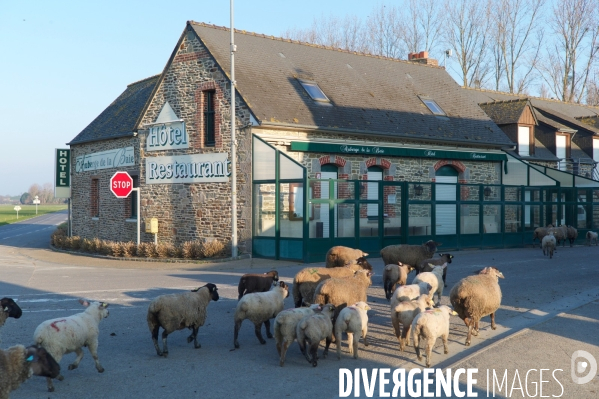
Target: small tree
x=25 y=198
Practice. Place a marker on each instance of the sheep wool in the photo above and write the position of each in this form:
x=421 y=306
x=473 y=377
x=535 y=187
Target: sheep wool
x=428 y=264
x=175 y=312
x=285 y=327
x=409 y=292
x=592 y=237
x=548 y=245
x=403 y=314
x=343 y=291
x=259 y=308
x=434 y=278
x=313 y=329
x=70 y=334
x=252 y=282
x=394 y=275
x=353 y=320
x=340 y=256
x=412 y=255
x=477 y=296
x=572 y=234
x=306 y=281
x=18 y=363
x=430 y=325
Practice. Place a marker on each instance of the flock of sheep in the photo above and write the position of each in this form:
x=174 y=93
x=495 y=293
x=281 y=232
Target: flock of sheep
x=329 y=301
x=550 y=237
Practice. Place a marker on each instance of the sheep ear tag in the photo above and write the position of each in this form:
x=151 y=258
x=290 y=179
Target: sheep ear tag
x=29 y=359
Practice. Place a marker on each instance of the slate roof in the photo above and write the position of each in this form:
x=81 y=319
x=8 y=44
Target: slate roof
x=505 y=112
x=369 y=94
x=121 y=118
x=590 y=120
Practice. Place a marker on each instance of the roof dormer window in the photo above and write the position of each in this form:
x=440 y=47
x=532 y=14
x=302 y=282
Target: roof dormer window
x=433 y=107
x=524 y=141
x=314 y=91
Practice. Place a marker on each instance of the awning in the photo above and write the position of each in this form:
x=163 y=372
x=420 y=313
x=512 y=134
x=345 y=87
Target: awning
x=379 y=151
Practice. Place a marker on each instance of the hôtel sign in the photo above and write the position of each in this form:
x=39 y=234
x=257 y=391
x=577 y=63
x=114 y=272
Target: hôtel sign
x=397 y=152
x=167 y=136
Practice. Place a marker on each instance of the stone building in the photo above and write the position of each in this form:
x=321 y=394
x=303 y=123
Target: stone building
x=333 y=148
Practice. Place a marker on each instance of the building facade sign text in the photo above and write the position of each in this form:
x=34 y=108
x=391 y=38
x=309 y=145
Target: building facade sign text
x=105 y=159
x=196 y=168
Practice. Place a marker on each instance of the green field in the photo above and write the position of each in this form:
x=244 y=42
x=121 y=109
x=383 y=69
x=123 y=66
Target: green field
x=9 y=215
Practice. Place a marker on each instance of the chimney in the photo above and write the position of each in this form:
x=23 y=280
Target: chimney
x=422 y=58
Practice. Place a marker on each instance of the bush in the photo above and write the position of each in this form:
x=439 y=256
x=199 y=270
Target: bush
x=75 y=243
x=146 y=250
x=165 y=250
x=128 y=249
x=191 y=250
x=117 y=249
x=212 y=248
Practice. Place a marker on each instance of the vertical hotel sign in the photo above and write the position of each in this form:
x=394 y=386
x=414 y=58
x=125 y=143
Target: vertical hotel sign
x=62 y=173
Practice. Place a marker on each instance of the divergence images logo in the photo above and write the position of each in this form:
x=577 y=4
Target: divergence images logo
x=579 y=367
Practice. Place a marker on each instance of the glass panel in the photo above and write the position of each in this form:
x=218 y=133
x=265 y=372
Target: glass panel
x=419 y=219
x=533 y=217
x=491 y=219
x=469 y=192
x=291 y=209
x=513 y=218
x=392 y=210
x=264 y=161
x=445 y=192
x=492 y=193
x=289 y=169
x=470 y=221
x=264 y=210
x=369 y=225
x=512 y=194
x=419 y=192
x=345 y=220
x=319 y=225
x=595 y=217
x=533 y=195
x=581 y=210
x=314 y=91
x=595 y=195
x=346 y=190
x=445 y=219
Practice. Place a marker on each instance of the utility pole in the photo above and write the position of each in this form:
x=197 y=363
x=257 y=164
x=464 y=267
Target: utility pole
x=233 y=147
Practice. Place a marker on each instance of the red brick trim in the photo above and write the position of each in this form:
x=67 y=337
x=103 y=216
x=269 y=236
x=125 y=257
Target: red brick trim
x=339 y=161
x=370 y=162
x=198 y=141
x=457 y=165
x=325 y=160
x=384 y=164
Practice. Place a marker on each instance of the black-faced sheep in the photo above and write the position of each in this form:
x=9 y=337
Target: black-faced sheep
x=394 y=275
x=259 y=308
x=353 y=320
x=313 y=329
x=9 y=308
x=474 y=297
x=592 y=237
x=434 y=278
x=403 y=314
x=429 y=325
x=428 y=264
x=342 y=256
x=249 y=283
x=285 y=327
x=70 y=334
x=18 y=363
x=572 y=234
x=412 y=255
x=175 y=312
x=548 y=245
x=306 y=281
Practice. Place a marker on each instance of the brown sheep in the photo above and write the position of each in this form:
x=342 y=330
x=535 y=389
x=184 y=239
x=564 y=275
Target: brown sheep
x=475 y=297
x=412 y=255
x=306 y=281
x=394 y=275
x=572 y=234
x=339 y=256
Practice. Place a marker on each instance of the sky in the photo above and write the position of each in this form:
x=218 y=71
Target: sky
x=63 y=62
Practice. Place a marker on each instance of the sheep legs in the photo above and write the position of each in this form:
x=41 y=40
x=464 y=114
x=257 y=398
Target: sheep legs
x=257 y=330
x=75 y=364
x=194 y=337
x=93 y=349
x=155 y=340
x=404 y=339
x=283 y=351
x=493 y=326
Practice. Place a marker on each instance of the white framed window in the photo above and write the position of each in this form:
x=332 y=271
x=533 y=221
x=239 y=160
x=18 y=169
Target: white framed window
x=314 y=91
x=523 y=141
x=596 y=157
x=560 y=150
x=433 y=107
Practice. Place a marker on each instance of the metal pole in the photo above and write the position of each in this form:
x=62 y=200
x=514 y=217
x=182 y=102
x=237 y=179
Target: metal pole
x=233 y=148
x=138 y=212
x=69 y=217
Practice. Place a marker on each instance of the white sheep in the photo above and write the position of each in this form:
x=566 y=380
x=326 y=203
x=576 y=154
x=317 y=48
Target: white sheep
x=409 y=292
x=70 y=334
x=592 y=237
x=285 y=327
x=18 y=363
x=353 y=320
x=434 y=278
x=394 y=275
x=313 y=329
x=430 y=325
x=175 y=312
x=260 y=307
x=403 y=314
x=548 y=244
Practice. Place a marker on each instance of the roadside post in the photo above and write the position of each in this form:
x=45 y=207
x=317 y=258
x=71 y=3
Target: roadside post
x=36 y=201
x=152 y=227
x=17 y=208
x=121 y=185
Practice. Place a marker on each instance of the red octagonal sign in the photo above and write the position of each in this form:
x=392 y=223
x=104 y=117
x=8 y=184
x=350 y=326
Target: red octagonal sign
x=121 y=184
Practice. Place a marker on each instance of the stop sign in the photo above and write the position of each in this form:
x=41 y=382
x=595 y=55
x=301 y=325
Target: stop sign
x=121 y=184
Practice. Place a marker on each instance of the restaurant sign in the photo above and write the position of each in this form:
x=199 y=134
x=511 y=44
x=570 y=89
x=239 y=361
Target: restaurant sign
x=396 y=152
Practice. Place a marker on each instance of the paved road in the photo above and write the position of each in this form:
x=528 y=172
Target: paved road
x=32 y=233
x=549 y=310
